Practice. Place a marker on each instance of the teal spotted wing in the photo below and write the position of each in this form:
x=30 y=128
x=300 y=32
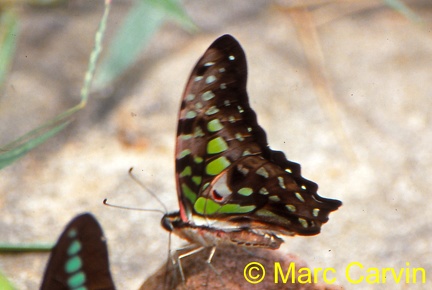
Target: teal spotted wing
x=79 y=260
x=228 y=180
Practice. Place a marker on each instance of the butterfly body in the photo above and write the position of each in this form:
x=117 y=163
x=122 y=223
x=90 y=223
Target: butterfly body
x=232 y=188
x=216 y=235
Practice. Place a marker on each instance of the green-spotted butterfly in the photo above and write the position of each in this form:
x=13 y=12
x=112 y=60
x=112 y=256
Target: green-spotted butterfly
x=79 y=260
x=232 y=188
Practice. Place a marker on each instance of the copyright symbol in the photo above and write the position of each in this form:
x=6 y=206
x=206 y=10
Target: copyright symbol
x=254 y=272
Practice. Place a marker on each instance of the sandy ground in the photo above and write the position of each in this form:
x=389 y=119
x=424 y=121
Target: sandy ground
x=379 y=68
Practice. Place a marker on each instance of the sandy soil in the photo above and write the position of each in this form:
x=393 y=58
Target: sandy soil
x=379 y=68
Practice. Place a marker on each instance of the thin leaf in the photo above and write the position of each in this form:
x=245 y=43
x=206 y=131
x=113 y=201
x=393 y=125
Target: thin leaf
x=8 y=35
x=5 y=284
x=140 y=24
x=18 y=148
x=403 y=9
x=11 y=153
x=21 y=248
x=142 y=21
x=175 y=11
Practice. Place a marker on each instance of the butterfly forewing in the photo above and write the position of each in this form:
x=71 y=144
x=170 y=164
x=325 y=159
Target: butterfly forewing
x=226 y=173
x=79 y=260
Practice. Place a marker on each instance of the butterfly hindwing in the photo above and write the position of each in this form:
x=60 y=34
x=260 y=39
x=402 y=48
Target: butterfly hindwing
x=79 y=260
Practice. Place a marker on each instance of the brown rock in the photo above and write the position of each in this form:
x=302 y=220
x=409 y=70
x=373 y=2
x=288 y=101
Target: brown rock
x=226 y=271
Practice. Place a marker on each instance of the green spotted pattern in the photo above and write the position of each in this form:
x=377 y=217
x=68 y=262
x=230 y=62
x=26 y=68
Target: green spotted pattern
x=217 y=166
x=74 y=264
x=192 y=196
x=214 y=125
x=205 y=206
x=224 y=165
x=246 y=191
x=216 y=145
x=207 y=96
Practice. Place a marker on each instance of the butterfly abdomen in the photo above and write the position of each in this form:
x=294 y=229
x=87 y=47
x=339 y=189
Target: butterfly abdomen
x=212 y=236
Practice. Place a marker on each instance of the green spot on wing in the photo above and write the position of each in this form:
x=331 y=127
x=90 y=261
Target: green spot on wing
x=206 y=206
x=191 y=115
x=198 y=106
x=212 y=110
x=263 y=191
x=216 y=145
x=263 y=172
x=299 y=197
x=217 y=166
x=291 y=207
x=205 y=186
x=246 y=191
x=73 y=264
x=281 y=182
x=198 y=160
x=239 y=137
x=235 y=208
x=274 y=198
x=207 y=96
x=186 y=172
x=210 y=79
x=184 y=153
x=190 y=97
x=76 y=280
x=197 y=179
x=185 y=136
x=303 y=222
x=74 y=248
x=190 y=195
x=72 y=233
x=198 y=132
x=214 y=125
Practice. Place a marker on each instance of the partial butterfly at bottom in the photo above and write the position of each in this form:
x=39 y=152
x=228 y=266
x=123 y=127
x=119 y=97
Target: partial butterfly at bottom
x=79 y=260
x=232 y=188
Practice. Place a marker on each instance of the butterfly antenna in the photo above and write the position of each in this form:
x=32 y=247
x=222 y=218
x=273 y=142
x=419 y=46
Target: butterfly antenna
x=105 y=202
x=147 y=189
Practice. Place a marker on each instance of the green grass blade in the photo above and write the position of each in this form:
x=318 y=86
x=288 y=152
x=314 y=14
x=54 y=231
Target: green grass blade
x=400 y=7
x=8 y=36
x=5 y=284
x=140 y=24
x=18 y=148
x=142 y=21
x=22 y=248
x=175 y=11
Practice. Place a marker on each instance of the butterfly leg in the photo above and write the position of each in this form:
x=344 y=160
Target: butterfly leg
x=190 y=250
x=213 y=250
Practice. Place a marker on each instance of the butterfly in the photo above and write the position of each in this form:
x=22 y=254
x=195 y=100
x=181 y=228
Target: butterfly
x=232 y=188
x=79 y=260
